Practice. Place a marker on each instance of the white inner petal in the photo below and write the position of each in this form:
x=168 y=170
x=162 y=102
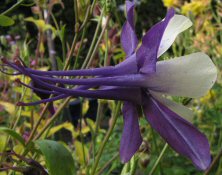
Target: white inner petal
x=188 y=76
x=177 y=24
x=179 y=109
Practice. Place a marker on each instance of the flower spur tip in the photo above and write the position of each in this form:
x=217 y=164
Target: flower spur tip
x=18 y=63
x=20 y=103
x=4 y=60
x=17 y=80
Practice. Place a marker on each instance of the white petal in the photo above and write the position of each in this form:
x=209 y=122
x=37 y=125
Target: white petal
x=179 y=109
x=177 y=24
x=188 y=76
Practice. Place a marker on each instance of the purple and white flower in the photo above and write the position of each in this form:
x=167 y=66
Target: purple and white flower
x=142 y=80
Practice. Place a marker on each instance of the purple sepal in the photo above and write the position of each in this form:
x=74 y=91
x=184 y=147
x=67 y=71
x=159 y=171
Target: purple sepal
x=128 y=66
x=129 y=39
x=131 y=137
x=147 y=53
x=43 y=95
x=130 y=12
x=125 y=94
x=181 y=135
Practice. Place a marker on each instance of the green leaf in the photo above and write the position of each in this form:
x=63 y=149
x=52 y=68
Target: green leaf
x=41 y=25
x=6 y=21
x=130 y=167
x=38 y=22
x=82 y=153
x=59 y=160
x=13 y=134
x=9 y=107
x=3 y=142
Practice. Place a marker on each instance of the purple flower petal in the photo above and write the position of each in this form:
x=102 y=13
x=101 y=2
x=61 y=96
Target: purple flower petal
x=54 y=98
x=125 y=94
x=179 y=109
x=133 y=80
x=129 y=39
x=128 y=66
x=182 y=136
x=147 y=53
x=131 y=137
x=58 y=97
x=43 y=95
x=130 y=13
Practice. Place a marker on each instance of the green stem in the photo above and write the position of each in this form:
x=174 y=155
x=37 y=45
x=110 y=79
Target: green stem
x=214 y=162
x=19 y=109
x=99 y=103
x=114 y=119
x=92 y=7
x=98 y=116
x=93 y=41
x=97 y=123
x=52 y=119
x=80 y=46
x=38 y=123
x=62 y=38
x=82 y=141
x=158 y=159
x=108 y=163
x=107 y=47
x=155 y=144
x=71 y=51
x=98 y=42
x=15 y=6
x=86 y=18
x=76 y=11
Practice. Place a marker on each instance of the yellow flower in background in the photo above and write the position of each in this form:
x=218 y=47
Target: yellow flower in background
x=208 y=97
x=218 y=49
x=208 y=26
x=195 y=6
x=170 y=3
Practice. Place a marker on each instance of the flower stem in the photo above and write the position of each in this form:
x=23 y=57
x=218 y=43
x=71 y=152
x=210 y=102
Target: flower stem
x=76 y=11
x=114 y=119
x=93 y=41
x=98 y=119
x=71 y=52
x=52 y=119
x=215 y=161
x=15 y=6
x=38 y=123
x=98 y=41
x=19 y=109
x=107 y=47
x=80 y=46
x=158 y=159
x=108 y=163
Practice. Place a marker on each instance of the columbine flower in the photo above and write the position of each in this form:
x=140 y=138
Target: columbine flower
x=140 y=81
